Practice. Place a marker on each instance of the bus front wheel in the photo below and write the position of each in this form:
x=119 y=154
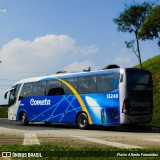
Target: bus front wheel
x=24 y=120
x=82 y=121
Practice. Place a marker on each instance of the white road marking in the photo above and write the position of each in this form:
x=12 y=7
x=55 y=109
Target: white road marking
x=30 y=138
x=108 y=143
x=155 y=140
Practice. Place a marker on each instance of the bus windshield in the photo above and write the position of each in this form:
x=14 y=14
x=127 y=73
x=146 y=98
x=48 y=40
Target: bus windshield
x=138 y=77
x=13 y=94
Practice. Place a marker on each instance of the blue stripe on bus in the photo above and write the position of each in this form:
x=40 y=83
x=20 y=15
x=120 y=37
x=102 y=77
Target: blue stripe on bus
x=64 y=109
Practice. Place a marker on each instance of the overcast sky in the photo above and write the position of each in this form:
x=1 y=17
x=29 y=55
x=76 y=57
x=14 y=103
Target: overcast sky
x=41 y=37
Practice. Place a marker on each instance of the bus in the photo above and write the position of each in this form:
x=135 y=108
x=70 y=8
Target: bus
x=110 y=97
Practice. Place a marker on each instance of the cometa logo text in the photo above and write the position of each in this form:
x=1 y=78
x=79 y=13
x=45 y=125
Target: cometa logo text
x=44 y=102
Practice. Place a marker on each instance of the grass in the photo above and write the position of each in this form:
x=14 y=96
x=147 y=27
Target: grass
x=61 y=152
x=3 y=111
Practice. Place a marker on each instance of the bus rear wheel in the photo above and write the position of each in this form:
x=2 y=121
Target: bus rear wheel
x=82 y=121
x=24 y=120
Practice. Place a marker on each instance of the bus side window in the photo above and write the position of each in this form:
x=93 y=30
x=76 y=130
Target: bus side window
x=87 y=84
x=108 y=82
x=73 y=82
x=55 y=91
x=103 y=83
x=26 y=91
x=39 y=88
x=115 y=80
x=14 y=94
x=12 y=98
x=17 y=90
x=54 y=88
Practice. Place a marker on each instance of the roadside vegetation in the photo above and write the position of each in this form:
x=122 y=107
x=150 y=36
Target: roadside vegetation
x=90 y=153
x=3 y=111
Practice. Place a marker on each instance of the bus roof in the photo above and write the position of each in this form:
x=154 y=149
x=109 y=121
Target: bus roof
x=67 y=75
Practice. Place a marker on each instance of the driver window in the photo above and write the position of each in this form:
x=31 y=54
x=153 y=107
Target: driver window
x=26 y=90
x=12 y=98
x=14 y=94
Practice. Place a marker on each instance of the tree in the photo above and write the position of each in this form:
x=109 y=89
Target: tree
x=111 y=66
x=130 y=20
x=59 y=72
x=87 y=70
x=151 y=27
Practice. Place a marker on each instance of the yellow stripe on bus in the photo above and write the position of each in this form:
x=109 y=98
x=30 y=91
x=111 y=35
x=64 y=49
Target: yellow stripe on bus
x=78 y=98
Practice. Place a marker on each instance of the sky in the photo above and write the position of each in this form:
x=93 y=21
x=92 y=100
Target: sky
x=41 y=37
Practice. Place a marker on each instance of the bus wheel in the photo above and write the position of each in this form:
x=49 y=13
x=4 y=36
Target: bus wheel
x=24 y=120
x=82 y=121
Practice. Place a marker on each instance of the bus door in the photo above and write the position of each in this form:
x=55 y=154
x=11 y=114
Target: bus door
x=13 y=101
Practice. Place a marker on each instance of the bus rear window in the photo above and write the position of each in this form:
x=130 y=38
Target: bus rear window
x=138 y=77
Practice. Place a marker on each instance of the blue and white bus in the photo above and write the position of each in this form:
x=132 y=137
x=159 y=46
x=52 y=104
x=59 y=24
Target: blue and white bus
x=106 y=97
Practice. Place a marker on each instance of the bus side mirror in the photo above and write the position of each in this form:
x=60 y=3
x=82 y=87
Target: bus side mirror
x=5 y=96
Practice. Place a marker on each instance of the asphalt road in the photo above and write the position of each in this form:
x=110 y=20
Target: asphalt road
x=12 y=132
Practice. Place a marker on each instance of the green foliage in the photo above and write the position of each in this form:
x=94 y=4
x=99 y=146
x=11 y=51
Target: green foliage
x=131 y=19
x=152 y=64
x=129 y=44
x=59 y=72
x=3 y=111
x=87 y=153
x=87 y=70
x=151 y=27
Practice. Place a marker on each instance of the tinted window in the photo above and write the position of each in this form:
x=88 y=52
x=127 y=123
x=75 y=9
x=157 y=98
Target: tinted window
x=54 y=88
x=39 y=88
x=141 y=77
x=73 y=82
x=87 y=84
x=17 y=90
x=26 y=90
x=12 y=98
x=14 y=94
x=108 y=82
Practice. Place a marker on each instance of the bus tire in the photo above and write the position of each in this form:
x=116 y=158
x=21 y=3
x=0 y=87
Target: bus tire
x=24 y=120
x=82 y=121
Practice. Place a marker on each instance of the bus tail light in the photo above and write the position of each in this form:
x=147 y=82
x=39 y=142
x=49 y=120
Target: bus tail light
x=124 y=107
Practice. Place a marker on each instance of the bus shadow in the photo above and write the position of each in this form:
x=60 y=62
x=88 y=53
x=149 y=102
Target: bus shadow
x=57 y=126
x=43 y=126
x=133 y=128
